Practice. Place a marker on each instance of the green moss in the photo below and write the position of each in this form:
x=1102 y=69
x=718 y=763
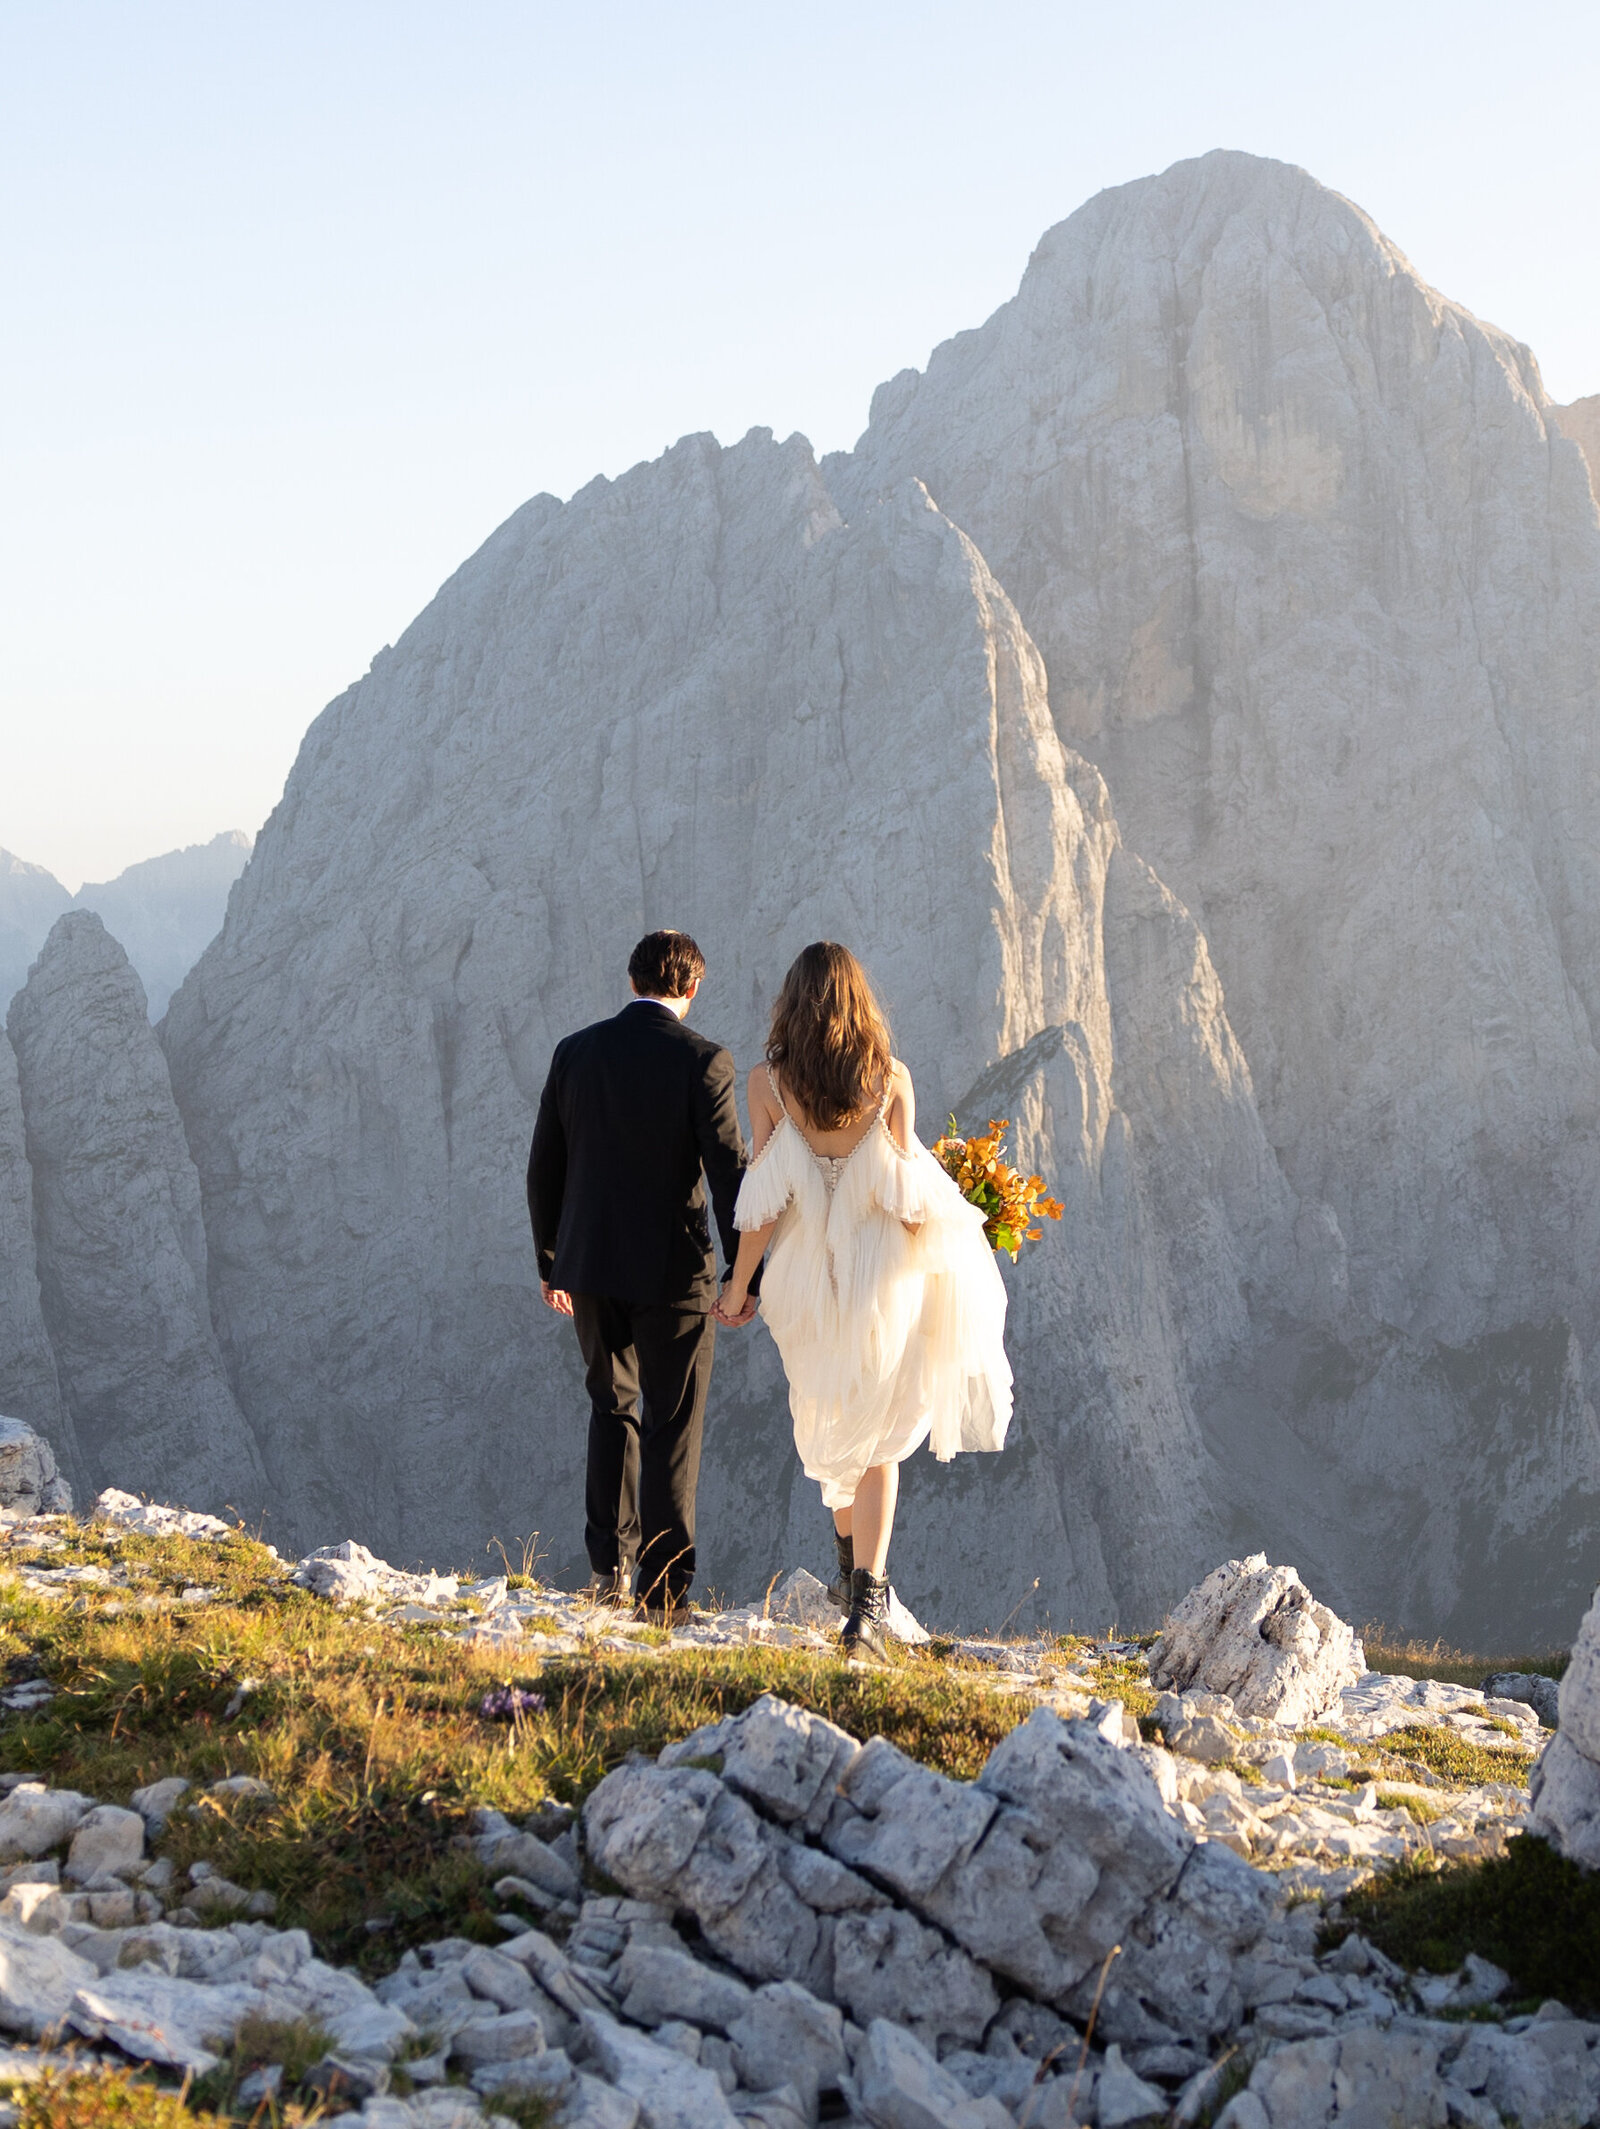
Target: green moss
x=1530 y=1911
x=1422 y=1809
x=1446 y=1753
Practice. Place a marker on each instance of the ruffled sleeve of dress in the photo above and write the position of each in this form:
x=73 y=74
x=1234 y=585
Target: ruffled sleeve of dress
x=900 y=1182
x=768 y=1184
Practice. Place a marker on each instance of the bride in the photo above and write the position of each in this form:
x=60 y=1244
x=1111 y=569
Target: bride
x=882 y=1294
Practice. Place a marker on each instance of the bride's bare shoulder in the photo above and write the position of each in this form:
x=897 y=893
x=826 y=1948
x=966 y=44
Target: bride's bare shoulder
x=900 y=1110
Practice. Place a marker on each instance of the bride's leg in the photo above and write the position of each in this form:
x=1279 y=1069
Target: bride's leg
x=872 y=1517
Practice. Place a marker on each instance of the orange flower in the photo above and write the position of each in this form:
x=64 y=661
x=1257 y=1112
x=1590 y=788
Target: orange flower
x=1007 y=1199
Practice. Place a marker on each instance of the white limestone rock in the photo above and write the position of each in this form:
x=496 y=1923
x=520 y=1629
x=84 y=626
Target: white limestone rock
x=784 y=726
x=39 y=1981
x=153 y=1518
x=30 y=1484
x=1256 y=1633
x=1364 y=2075
x=1315 y=573
x=350 y=1574
x=1061 y=1849
x=901 y=2086
x=122 y=1251
x=1566 y=1780
x=29 y=1388
x=1541 y=1694
x=108 y=1842
x=35 y=1818
x=671 y=2092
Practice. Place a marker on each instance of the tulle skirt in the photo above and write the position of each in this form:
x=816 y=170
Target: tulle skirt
x=889 y=1338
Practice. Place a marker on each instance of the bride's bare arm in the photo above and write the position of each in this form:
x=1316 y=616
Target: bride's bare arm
x=752 y=1247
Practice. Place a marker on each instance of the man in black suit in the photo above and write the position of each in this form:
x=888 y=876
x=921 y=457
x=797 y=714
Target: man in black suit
x=632 y=1112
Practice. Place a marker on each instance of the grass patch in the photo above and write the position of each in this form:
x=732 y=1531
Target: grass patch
x=1400 y=1656
x=113 y=2099
x=598 y=1712
x=1530 y=1911
x=295 y=2045
x=1128 y=1680
x=371 y=1739
x=1453 y=1758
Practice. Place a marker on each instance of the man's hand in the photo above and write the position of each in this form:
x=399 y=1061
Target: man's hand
x=556 y=1299
x=734 y=1311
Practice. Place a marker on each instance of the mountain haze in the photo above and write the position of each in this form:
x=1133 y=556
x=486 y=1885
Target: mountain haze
x=163 y=911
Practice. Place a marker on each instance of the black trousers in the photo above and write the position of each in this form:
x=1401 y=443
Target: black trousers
x=648 y=1370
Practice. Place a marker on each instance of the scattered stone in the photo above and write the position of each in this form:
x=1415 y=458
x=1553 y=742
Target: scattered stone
x=108 y=1841
x=349 y=1574
x=35 y=1819
x=671 y=2092
x=1121 y=2097
x=242 y=1788
x=153 y=1521
x=1257 y=1634
x=901 y=2086
x=1541 y=1694
x=154 y=1803
x=506 y=2037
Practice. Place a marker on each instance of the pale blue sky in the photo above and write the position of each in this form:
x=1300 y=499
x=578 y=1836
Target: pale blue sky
x=299 y=301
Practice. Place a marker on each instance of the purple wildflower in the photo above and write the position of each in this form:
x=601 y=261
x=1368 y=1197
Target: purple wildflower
x=507 y=1702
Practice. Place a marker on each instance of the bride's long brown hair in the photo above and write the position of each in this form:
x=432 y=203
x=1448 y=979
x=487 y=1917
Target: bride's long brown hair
x=829 y=1037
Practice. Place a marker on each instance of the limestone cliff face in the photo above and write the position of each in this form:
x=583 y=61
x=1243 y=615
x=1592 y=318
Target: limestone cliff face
x=697 y=696
x=28 y=1386
x=121 y=1250
x=1581 y=421
x=1316 y=578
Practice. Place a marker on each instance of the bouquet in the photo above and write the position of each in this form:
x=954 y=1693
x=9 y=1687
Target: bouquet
x=1007 y=1199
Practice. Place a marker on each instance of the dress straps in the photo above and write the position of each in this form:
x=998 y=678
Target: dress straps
x=777 y=1092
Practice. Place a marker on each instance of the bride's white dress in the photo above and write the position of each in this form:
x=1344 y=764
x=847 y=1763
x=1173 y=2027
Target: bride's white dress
x=888 y=1338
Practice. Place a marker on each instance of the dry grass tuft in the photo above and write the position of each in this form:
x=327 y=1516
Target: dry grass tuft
x=1402 y=1656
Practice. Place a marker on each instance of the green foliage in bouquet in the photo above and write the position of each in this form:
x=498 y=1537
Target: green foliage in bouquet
x=1008 y=1200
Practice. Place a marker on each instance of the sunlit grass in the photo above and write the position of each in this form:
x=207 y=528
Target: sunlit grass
x=1403 y=1656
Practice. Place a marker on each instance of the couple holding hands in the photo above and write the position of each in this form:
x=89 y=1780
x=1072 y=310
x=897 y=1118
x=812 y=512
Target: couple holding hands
x=868 y=1266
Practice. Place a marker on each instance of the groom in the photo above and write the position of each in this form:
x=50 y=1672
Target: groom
x=632 y=1112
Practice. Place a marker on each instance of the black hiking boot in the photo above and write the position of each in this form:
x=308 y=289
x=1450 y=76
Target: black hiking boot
x=866 y=1631
x=839 y=1587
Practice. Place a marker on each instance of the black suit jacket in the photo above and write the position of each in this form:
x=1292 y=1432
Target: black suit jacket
x=633 y=1110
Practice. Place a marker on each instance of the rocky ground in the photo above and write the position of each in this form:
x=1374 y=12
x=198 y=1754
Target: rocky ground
x=1134 y=1912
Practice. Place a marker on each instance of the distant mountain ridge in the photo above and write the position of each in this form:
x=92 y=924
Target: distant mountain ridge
x=164 y=911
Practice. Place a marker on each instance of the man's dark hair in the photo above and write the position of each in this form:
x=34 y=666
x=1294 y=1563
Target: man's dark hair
x=665 y=963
